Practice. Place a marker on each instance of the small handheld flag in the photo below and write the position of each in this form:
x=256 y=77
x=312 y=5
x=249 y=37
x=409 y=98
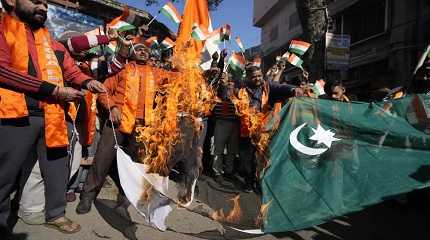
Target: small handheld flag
x=151 y=42
x=237 y=63
x=295 y=60
x=239 y=43
x=198 y=33
x=299 y=47
x=170 y=11
x=167 y=43
x=226 y=32
x=120 y=24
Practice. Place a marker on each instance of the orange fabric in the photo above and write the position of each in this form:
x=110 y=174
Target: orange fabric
x=12 y=103
x=131 y=98
x=55 y=123
x=149 y=76
x=91 y=116
x=195 y=11
x=244 y=120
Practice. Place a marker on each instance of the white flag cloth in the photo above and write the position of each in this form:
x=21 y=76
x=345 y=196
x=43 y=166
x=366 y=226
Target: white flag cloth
x=164 y=192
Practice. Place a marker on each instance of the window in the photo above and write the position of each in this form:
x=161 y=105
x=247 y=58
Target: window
x=274 y=33
x=364 y=19
x=294 y=21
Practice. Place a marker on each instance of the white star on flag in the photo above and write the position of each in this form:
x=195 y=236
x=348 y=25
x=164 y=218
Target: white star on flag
x=323 y=136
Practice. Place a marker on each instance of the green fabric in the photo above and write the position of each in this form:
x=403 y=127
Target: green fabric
x=380 y=154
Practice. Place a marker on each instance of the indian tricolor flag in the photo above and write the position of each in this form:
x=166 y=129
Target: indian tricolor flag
x=198 y=33
x=296 y=61
x=214 y=37
x=119 y=24
x=299 y=47
x=239 y=43
x=237 y=63
x=151 y=42
x=170 y=11
x=167 y=43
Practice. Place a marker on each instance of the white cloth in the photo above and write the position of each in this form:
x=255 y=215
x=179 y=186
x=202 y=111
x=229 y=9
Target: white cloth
x=133 y=175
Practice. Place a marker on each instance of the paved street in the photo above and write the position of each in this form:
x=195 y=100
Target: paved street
x=389 y=220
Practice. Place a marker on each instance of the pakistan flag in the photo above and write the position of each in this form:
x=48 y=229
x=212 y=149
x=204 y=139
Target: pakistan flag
x=331 y=158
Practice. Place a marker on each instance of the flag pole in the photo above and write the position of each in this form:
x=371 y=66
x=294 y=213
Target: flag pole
x=152 y=20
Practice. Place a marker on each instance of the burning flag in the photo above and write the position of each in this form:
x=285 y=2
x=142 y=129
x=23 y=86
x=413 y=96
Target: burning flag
x=295 y=61
x=198 y=33
x=239 y=43
x=226 y=32
x=299 y=47
x=167 y=43
x=152 y=42
x=120 y=23
x=170 y=11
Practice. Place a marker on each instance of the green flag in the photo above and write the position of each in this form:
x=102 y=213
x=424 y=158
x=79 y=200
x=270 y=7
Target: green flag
x=331 y=158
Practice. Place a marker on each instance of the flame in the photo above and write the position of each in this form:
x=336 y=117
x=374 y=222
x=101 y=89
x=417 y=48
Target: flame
x=233 y=216
x=262 y=215
x=186 y=94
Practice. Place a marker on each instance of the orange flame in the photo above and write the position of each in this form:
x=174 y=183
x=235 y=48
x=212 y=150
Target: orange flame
x=233 y=216
x=186 y=94
x=263 y=214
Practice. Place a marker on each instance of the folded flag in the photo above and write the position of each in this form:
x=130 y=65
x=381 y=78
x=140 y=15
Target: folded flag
x=239 y=43
x=299 y=47
x=170 y=11
x=151 y=42
x=236 y=63
x=198 y=33
x=295 y=61
x=167 y=43
x=120 y=24
x=226 y=32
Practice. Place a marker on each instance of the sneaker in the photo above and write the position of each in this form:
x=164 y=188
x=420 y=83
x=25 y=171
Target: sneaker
x=32 y=218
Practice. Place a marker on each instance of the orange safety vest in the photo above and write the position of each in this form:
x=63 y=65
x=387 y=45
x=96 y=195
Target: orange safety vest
x=136 y=76
x=90 y=120
x=13 y=104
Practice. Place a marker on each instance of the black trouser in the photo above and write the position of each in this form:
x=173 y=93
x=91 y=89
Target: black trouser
x=105 y=162
x=247 y=159
x=20 y=139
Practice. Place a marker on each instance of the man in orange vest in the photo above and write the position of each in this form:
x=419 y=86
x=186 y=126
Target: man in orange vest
x=130 y=100
x=32 y=123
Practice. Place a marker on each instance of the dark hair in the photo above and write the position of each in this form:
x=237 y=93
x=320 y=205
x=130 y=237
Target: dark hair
x=8 y=8
x=251 y=69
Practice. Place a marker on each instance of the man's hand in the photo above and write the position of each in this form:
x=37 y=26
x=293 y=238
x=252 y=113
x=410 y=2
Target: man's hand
x=143 y=29
x=67 y=94
x=115 y=115
x=113 y=34
x=95 y=86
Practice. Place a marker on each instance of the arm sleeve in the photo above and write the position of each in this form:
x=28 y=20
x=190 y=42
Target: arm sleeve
x=79 y=44
x=71 y=72
x=13 y=80
x=111 y=85
x=280 y=92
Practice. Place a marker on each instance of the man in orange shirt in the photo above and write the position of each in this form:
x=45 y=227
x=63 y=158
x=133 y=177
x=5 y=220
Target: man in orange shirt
x=130 y=100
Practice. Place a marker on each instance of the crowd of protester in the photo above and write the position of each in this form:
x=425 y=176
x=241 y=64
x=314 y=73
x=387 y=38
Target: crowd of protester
x=46 y=170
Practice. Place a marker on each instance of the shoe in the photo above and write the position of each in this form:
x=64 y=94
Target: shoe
x=247 y=188
x=70 y=196
x=32 y=218
x=84 y=205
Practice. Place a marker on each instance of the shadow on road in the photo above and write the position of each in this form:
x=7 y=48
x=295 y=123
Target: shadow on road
x=126 y=226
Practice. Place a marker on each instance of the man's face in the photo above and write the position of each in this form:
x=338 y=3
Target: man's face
x=256 y=78
x=141 y=54
x=32 y=12
x=338 y=92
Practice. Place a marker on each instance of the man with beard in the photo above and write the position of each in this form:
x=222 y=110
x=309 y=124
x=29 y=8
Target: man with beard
x=130 y=100
x=262 y=94
x=29 y=125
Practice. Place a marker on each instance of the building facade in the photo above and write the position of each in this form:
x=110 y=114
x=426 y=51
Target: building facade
x=387 y=38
